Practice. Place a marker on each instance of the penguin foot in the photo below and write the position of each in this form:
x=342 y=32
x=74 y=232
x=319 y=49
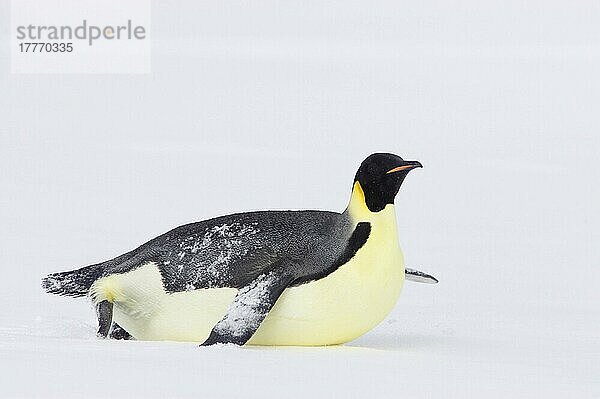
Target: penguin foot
x=118 y=332
x=104 y=312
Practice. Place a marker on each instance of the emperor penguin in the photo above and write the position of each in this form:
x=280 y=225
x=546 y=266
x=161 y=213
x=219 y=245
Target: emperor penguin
x=302 y=278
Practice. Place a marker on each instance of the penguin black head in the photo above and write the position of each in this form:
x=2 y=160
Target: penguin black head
x=380 y=176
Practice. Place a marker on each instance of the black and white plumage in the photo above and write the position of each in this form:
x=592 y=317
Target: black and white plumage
x=217 y=280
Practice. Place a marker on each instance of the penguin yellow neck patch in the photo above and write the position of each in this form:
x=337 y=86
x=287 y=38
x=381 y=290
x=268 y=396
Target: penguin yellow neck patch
x=357 y=207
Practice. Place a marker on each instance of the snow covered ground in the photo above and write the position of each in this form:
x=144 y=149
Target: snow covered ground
x=273 y=106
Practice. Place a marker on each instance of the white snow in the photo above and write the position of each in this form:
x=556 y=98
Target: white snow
x=274 y=106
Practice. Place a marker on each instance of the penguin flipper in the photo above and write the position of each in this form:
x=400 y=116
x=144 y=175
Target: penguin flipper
x=419 y=277
x=249 y=308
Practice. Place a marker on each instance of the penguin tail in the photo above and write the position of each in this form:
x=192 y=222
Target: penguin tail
x=75 y=283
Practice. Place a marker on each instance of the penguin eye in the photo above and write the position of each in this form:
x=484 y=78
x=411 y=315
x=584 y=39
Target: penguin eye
x=373 y=169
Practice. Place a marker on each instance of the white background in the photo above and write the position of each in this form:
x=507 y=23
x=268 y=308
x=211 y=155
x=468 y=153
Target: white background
x=273 y=106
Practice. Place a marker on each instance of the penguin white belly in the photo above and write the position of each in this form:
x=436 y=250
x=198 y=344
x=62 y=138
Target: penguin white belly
x=347 y=303
x=332 y=310
x=144 y=309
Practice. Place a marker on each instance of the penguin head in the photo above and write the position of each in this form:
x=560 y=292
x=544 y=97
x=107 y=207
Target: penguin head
x=380 y=177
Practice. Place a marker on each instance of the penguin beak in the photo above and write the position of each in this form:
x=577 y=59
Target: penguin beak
x=408 y=166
